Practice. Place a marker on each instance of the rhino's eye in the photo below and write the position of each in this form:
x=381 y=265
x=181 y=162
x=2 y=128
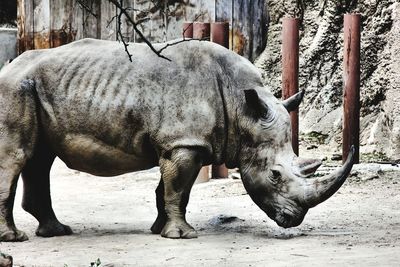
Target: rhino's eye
x=268 y=118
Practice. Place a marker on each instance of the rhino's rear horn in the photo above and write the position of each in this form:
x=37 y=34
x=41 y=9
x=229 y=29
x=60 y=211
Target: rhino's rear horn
x=293 y=102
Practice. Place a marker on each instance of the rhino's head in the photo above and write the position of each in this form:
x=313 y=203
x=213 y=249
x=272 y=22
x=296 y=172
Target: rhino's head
x=277 y=180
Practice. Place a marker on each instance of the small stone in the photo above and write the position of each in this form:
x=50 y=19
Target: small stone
x=311 y=147
x=336 y=157
x=370 y=177
x=235 y=176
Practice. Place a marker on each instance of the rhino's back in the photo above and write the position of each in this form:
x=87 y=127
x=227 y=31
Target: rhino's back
x=99 y=109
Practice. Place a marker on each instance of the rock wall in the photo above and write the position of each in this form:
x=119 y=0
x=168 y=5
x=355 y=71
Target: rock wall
x=321 y=56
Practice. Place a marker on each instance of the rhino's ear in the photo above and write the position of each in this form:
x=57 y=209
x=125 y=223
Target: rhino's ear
x=255 y=103
x=293 y=102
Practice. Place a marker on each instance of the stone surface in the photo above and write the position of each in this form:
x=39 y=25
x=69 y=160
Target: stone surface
x=321 y=56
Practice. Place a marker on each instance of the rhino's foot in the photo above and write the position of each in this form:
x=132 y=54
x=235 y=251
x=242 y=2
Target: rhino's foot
x=13 y=236
x=6 y=260
x=158 y=225
x=53 y=229
x=178 y=230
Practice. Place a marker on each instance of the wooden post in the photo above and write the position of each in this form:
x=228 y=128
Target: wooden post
x=351 y=81
x=220 y=35
x=290 y=71
x=187 y=30
x=201 y=30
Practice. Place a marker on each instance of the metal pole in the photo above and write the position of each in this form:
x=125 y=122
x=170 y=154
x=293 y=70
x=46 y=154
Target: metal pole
x=187 y=30
x=220 y=35
x=201 y=30
x=351 y=91
x=290 y=71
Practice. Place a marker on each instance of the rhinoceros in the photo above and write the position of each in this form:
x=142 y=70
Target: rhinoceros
x=101 y=114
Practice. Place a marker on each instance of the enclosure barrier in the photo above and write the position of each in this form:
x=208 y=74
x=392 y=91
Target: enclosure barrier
x=187 y=30
x=200 y=30
x=351 y=81
x=290 y=71
x=220 y=35
x=217 y=32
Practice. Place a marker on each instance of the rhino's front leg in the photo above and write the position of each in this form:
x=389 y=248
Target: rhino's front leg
x=179 y=169
x=11 y=162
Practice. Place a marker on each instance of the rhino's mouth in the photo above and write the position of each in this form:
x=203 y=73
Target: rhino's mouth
x=287 y=218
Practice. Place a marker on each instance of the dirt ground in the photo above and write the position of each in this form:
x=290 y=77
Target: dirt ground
x=111 y=217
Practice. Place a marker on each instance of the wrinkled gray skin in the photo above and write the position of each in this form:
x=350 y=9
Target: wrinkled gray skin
x=85 y=103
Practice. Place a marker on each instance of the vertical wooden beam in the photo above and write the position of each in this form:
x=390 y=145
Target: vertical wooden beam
x=127 y=29
x=108 y=27
x=78 y=20
x=220 y=35
x=92 y=22
x=41 y=24
x=25 y=25
x=223 y=13
x=290 y=71
x=249 y=28
x=351 y=91
x=61 y=26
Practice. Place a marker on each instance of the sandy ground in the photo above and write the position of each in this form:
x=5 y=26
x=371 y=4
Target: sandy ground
x=111 y=217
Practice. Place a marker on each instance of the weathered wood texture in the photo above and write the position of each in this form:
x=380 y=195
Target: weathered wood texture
x=51 y=23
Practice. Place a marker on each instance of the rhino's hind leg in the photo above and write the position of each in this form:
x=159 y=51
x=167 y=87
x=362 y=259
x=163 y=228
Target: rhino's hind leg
x=179 y=169
x=161 y=220
x=36 y=197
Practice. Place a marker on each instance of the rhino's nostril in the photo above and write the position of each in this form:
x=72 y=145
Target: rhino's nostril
x=276 y=177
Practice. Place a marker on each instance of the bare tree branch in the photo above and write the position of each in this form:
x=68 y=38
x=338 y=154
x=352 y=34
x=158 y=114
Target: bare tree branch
x=123 y=11
x=87 y=8
x=135 y=27
x=191 y=24
x=121 y=37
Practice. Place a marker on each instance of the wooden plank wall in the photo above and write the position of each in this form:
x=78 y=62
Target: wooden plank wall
x=51 y=23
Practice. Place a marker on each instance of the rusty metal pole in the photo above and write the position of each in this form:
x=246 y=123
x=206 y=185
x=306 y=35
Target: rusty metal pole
x=290 y=71
x=201 y=30
x=187 y=29
x=220 y=35
x=351 y=90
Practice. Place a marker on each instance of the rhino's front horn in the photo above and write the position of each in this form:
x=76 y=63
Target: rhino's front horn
x=320 y=189
x=293 y=102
